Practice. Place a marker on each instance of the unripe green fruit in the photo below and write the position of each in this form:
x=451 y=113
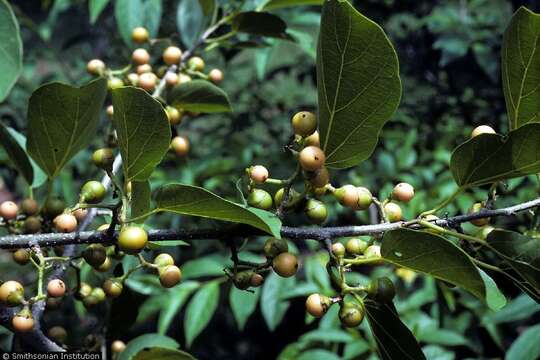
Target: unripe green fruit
x=364 y=198
x=53 y=208
x=11 y=293
x=403 y=192
x=313 y=140
x=169 y=276
x=381 y=289
x=114 y=83
x=374 y=252
x=196 y=63
x=317 y=305
x=56 y=288
x=174 y=115
x=351 y=314
x=316 y=211
x=84 y=291
x=8 y=210
x=93 y=192
x=58 y=334
x=21 y=256
x=256 y=280
x=98 y=293
x=304 y=123
x=106 y=266
x=29 y=207
x=242 y=280
x=482 y=129
x=338 y=249
x=311 y=158
x=113 y=288
x=140 y=35
x=356 y=246
x=103 y=158
x=95 y=255
x=31 y=225
x=318 y=178
x=347 y=195
x=393 y=212
x=485 y=231
x=258 y=174
x=285 y=264
x=477 y=207
x=65 y=223
x=132 y=239
x=260 y=199
x=294 y=197
x=164 y=260
x=273 y=247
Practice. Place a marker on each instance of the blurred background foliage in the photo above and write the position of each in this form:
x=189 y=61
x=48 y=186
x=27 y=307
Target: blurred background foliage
x=449 y=55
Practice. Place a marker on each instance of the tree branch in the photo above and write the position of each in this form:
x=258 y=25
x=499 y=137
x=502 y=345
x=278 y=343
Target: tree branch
x=293 y=233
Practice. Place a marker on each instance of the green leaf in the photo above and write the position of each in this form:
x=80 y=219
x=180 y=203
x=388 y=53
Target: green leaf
x=358 y=83
x=166 y=243
x=522 y=307
x=494 y=297
x=191 y=21
x=152 y=16
x=96 y=7
x=140 y=199
x=278 y=4
x=272 y=307
x=211 y=265
x=196 y=201
x=394 y=339
x=200 y=96
x=327 y=335
x=521 y=68
x=489 y=158
x=200 y=310
x=129 y=14
x=432 y=255
x=11 y=49
x=147 y=341
x=521 y=252
x=157 y=353
x=17 y=154
x=261 y=24
x=243 y=304
x=318 y=354
x=527 y=346
x=62 y=121
x=143 y=131
x=176 y=298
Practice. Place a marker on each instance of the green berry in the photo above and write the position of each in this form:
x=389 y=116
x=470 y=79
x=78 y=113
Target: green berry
x=93 y=192
x=260 y=199
x=316 y=211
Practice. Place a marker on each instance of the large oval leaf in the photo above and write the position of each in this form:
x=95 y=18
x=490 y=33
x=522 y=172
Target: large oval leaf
x=10 y=48
x=200 y=310
x=394 y=339
x=273 y=307
x=521 y=68
x=526 y=346
x=260 y=23
x=95 y=8
x=157 y=353
x=144 y=133
x=200 y=96
x=16 y=154
x=62 y=120
x=191 y=21
x=432 y=255
x=489 y=158
x=196 y=201
x=358 y=83
x=243 y=304
x=147 y=341
x=278 y=4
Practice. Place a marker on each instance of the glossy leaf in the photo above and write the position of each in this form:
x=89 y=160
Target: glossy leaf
x=526 y=346
x=140 y=199
x=273 y=308
x=278 y=4
x=521 y=68
x=130 y=14
x=190 y=21
x=210 y=265
x=152 y=16
x=62 y=121
x=143 y=131
x=200 y=310
x=494 y=297
x=17 y=154
x=394 y=340
x=157 y=353
x=432 y=255
x=175 y=299
x=10 y=48
x=147 y=341
x=358 y=83
x=489 y=158
x=243 y=304
x=96 y=7
x=200 y=96
x=196 y=201
x=260 y=23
